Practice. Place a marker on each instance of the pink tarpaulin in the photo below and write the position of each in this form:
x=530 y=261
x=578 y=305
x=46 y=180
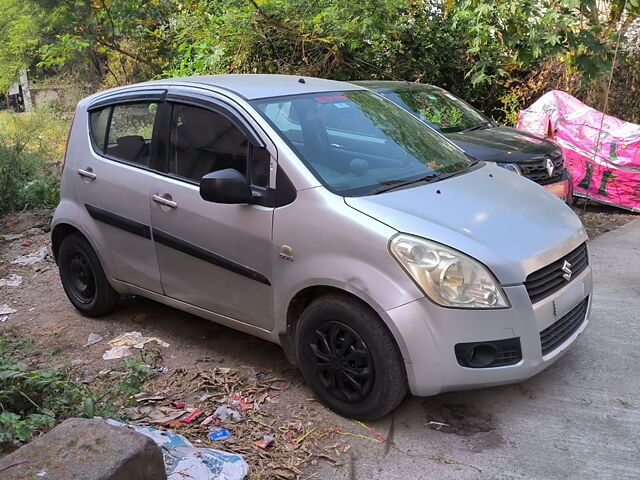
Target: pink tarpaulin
x=602 y=154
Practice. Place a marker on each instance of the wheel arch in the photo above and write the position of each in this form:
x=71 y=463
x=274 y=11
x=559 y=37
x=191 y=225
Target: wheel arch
x=59 y=233
x=305 y=296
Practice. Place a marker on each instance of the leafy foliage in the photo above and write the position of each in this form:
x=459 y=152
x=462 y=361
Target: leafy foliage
x=34 y=396
x=20 y=37
x=31 y=149
x=475 y=48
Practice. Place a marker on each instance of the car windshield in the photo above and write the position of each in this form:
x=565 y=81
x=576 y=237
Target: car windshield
x=357 y=143
x=439 y=109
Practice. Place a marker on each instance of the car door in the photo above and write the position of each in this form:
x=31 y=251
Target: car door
x=215 y=256
x=113 y=184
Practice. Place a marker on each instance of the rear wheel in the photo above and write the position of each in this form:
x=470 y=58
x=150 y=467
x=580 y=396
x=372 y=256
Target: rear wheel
x=349 y=358
x=83 y=279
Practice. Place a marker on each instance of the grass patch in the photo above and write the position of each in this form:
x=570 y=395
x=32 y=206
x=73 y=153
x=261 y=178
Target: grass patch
x=35 y=396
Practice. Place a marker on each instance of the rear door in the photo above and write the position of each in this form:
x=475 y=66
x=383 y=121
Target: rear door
x=113 y=183
x=215 y=256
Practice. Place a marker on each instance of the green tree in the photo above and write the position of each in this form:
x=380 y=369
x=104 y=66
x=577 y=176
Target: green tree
x=20 y=31
x=505 y=36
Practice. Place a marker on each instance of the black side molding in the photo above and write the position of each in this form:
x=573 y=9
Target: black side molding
x=117 y=221
x=207 y=256
x=170 y=241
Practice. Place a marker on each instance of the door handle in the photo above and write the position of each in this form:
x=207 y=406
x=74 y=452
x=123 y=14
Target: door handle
x=88 y=173
x=164 y=201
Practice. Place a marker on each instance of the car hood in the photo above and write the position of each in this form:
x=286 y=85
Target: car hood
x=503 y=144
x=507 y=222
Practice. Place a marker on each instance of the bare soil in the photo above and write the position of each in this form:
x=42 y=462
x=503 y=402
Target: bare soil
x=598 y=218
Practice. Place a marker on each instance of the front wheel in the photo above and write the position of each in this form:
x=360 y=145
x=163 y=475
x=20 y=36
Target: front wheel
x=83 y=279
x=349 y=358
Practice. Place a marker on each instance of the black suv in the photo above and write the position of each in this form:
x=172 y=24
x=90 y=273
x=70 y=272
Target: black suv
x=535 y=158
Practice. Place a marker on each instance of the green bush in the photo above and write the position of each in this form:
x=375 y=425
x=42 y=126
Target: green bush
x=26 y=179
x=31 y=149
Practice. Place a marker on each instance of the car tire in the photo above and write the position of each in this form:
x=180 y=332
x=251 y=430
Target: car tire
x=83 y=278
x=349 y=358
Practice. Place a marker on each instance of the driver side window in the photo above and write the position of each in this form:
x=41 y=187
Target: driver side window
x=203 y=141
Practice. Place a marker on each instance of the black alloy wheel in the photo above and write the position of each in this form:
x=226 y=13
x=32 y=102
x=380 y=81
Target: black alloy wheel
x=343 y=361
x=349 y=358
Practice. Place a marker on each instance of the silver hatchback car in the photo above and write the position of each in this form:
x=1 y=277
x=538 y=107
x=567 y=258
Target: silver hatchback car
x=317 y=215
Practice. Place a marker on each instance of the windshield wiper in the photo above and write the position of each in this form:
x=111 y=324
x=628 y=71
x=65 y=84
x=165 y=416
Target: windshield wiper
x=393 y=184
x=478 y=127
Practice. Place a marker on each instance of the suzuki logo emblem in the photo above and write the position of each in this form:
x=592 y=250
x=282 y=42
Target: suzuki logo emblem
x=566 y=268
x=550 y=166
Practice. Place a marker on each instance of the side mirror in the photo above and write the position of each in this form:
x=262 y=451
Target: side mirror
x=225 y=186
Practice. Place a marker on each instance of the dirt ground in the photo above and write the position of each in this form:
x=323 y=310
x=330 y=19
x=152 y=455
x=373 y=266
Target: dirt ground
x=598 y=218
x=308 y=437
x=201 y=357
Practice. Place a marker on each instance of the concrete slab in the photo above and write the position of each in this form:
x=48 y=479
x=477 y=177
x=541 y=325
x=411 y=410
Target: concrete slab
x=579 y=419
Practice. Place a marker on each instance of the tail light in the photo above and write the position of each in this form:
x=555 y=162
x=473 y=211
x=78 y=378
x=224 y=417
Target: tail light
x=66 y=146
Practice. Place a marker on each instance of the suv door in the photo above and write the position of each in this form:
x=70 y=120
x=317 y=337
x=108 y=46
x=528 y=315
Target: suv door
x=113 y=183
x=215 y=256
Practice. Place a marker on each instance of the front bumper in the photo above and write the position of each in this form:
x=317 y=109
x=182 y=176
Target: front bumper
x=563 y=188
x=428 y=334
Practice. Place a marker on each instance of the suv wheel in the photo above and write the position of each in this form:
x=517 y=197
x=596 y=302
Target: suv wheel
x=349 y=358
x=83 y=279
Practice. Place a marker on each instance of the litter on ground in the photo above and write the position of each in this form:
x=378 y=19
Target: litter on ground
x=32 y=258
x=219 y=434
x=12 y=280
x=183 y=460
x=121 y=345
x=93 y=339
x=5 y=311
x=277 y=442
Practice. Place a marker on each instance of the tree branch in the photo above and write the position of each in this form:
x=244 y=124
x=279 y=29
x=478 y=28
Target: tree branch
x=135 y=57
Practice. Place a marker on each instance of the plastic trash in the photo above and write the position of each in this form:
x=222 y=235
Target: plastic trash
x=219 y=434
x=122 y=344
x=12 y=280
x=225 y=413
x=5 y=311
x=189 y=418
x=265 y=442
x=32 y=258
x=93 y=339
x=182 y=460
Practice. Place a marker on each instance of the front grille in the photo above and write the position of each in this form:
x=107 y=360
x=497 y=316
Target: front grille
x=550 y=279
x=537 y=170
x=556 y=334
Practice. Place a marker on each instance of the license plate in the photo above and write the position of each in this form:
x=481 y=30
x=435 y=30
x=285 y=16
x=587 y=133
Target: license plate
x=569 y=299
x=559 y=189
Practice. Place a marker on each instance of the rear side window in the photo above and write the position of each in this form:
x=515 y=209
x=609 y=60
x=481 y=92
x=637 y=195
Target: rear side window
x=99 y=123
x=130 y=131
x=124 y=131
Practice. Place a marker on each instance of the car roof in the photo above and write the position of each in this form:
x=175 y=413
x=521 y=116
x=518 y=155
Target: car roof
x=255 y=86
x=394 y=85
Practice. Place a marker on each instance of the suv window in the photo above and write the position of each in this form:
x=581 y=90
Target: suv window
x=129 y=134
x=203 y=141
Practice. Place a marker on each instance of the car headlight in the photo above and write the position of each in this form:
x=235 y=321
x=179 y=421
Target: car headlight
x=446 y=276
x=512 y=167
